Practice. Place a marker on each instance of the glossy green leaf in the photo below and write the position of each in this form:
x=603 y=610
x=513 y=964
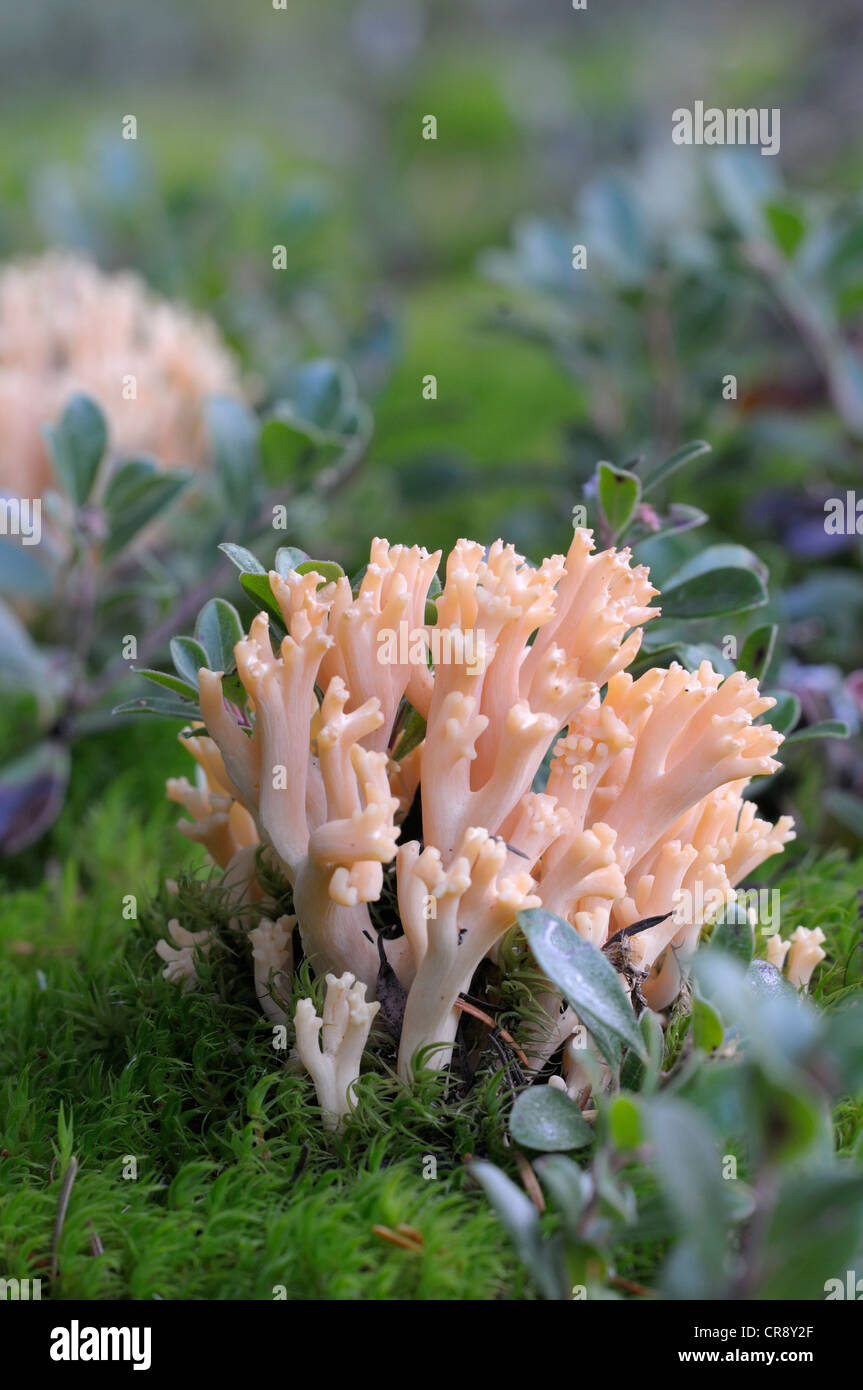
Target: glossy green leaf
x=289 y=557
x=587 y=980
x=412 y=734
x=77 y=443
x=188 y=657
x=757 y=651
x=619 y=492
x=327 y=569
x=787 y=1116
x=708 y=595
x=787 y=226
x=168 y=682
x=136 y=494
x=845 y=1042
x=165 y=708
x=234 y=430
x=323 y=393
x=828 y=728
x=784 y=714
x=688 y=1166
x=685 y=454
x=246 y=562
x=257 y=586
x=218 y=630
x=545 y=1118
x=569 y=1186
x=846 y=808
x=625 y=1123
x=707 y=1030
x=640 y=1074
x=813 y=1235
x=520 y=1219
x=284 y=445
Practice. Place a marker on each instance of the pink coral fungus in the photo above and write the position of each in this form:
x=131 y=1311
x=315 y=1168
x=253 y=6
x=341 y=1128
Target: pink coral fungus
x=643 y=802
x=66 y=327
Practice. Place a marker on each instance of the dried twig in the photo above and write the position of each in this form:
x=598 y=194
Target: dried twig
x=531 y=1183
x=483 y=1017
x=401 y=1238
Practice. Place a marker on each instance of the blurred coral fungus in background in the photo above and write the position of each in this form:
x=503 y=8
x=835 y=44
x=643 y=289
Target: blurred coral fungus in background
x=66 y=327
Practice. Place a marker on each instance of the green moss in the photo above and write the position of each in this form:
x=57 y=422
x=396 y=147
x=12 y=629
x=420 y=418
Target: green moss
x=238 y=1190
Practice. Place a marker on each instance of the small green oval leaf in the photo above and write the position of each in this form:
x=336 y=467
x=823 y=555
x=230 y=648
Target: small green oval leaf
x=619 y=492
x=828 y=728
x=77 y=443
x=588 y=981
x=167 y=709
x=257 y=586
x=625 y=1124
x=289 y=557
x=784 y=714
x=757 y=651
x=246 y=562
x=218 y=630
x=327 y=569
x=545 y=1118
x=168 y=682
x=136 y=494
x=731 y=590
x=685 y=454
x=188 y=657
x=707 y=1030
x=234 y=431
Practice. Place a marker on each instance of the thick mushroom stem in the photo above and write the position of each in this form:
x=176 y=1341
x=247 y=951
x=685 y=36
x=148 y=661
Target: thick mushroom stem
x=343 y=869
x=465 y=911
x=331 y=1047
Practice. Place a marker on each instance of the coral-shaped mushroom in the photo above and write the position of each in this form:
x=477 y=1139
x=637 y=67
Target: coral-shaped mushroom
x=181 y=958
x=66 y=327
x=217 y=820
x=642 y=815
x=331 y=1047
x=272 y=953
x=777 y=950
x=452 y=919
x=318 y=791
x=804 y=955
